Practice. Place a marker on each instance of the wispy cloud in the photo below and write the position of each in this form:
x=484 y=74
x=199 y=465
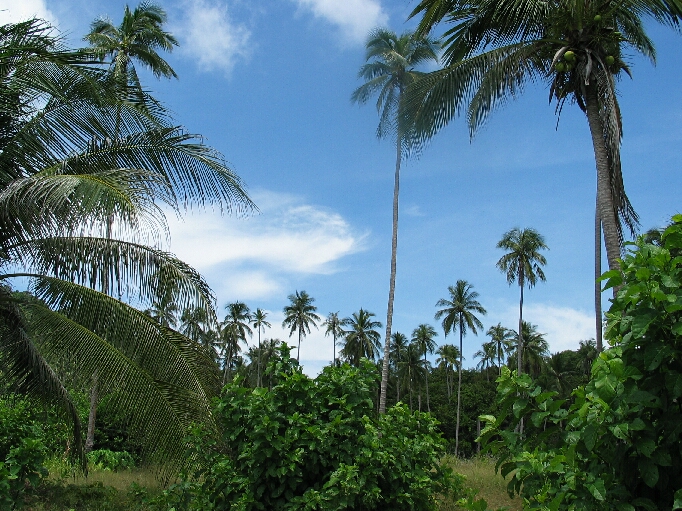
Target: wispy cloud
x=12 y=11
x=354 y=18
x=255 y=255
x=211 y=37
x=414 y=210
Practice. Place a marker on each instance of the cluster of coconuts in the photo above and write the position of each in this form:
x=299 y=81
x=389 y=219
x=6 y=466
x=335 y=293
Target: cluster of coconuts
x=570 y=57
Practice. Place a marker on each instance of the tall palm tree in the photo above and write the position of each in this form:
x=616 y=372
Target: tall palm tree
x=299 y=315
x=361 y=339
x=577 y=47
x=448 y=358
x=163 y=308
x=390 y=69
x=399 y=345
x=194 y=323
x=259 y=323
x=502 y=337
x=61 y=178
x=523 y=264
x=423 y=337
x=458 y=313
x=333 y=326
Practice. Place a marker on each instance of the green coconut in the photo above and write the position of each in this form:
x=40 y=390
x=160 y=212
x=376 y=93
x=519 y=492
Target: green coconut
x=597 y=18
x=610 y=59
x=560 y=67
x=569 y=56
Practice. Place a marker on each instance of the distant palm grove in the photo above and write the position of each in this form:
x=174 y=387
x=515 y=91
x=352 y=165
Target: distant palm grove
x=115 y=356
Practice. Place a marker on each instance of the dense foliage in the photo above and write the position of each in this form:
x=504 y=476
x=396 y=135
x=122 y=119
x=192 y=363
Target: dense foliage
x=616 y=444
x=316 y=444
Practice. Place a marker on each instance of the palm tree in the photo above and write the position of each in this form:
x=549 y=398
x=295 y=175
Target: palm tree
x=333 y=324
x=388 y=72
x=259 y=323
x=458 y=314
x=587 y=353
x=236 y=326
x=61 y=178
x=361 y=339
x=138 y=37
x=163 y=308
x=399 y=344
x=522 y=263
x=535 y=350
x=193 y=323
x=448 y=358
x=577 y=47
x=502 y=337
x=299 y=315
x=487 y=356
x=411 y=369
x=423 y=336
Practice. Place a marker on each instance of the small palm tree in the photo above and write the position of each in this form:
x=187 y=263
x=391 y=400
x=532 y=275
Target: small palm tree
x=458 y=313
x=448 y=358
x=193 y=323
x=390 y=69
x=523 y=264
x=259 y=323
x=423 y=337
x=502 y=337
x=487 y=356
x=236 y=326
x=333 y=326
x=361 y=339
x=399 y=345
x=535 y=350
x=299 y=315
x=411 y=370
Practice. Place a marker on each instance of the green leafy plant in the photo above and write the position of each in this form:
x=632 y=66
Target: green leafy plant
x=617 y=444
x=113 y=461
x=316 y=444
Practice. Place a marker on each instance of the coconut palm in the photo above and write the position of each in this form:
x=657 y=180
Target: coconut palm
x=194 y=323
x=448 y=358
x=61 y=178
x=390 y=69
x=399 y=344
x=139 y=37
x=236 y=326
x=458 y=313
x=576 y=46
x=361 y=340
x=423 y=337
x=259 y=323
x=163 y=308
x=299 y=315
x=487 y=355
x=502 y=337
x=333 y=326
x=523 y=264
x=411 y=370
x=535 y=350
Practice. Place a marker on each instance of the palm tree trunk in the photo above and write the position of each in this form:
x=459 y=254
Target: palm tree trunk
x=391 y=287
x=259 y=356
x=519 y=349
x=92 y=416
x=426 y=373
x=298 y=351
x=604 y=196
x=459 y=388
x=334 y=350
x=597 y=274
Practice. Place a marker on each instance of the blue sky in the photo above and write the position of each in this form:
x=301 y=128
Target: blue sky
x=268 y=84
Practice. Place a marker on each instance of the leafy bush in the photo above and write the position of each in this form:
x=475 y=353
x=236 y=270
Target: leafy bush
x=619 y=444
x=104 y=459
x=22 y=453
x=316 y=444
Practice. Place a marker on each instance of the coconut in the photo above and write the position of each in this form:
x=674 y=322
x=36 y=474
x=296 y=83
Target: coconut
x=569 y=56
x=610 y=59
x=597 y=18
x=560 y=67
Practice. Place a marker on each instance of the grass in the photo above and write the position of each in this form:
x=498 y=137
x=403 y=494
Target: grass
x=480 y=476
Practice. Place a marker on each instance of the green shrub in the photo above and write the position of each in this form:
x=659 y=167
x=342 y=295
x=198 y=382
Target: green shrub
x=315 y=444
x=113 y=461
x=22 y=453
x=619 y=444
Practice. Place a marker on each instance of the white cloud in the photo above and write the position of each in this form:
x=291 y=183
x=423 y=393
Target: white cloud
x=12 y=11
x=211 y=37
x=414 y=210
x=563 y=327
x=253 y=256
x=355 y=18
